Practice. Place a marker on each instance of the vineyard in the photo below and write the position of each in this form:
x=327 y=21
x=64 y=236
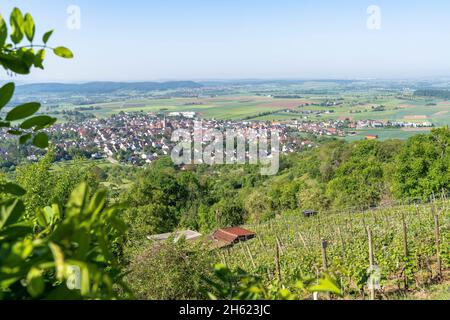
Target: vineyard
x=371 y=254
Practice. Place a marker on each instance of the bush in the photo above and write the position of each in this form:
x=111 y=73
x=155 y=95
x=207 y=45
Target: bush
x=167 y=271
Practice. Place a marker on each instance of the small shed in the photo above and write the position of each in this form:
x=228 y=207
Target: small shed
x=233 y=235
x=309 y=213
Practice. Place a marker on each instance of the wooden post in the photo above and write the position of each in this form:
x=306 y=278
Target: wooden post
x=277 y=261
x=303 y=240
x=279 y=244
x=250 y=255
x=224 y=258
x=261 y=242
x=371 y=263
x=342 y=241
x=388 y=224
x=405 y=247
x=350 y=222
x=437 y=236
x=417 y=211
x=324 y=245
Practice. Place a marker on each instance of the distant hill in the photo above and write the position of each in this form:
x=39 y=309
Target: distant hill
x=104 y=87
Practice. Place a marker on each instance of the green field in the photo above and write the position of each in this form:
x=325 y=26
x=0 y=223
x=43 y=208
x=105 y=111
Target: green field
x=385 y=134
x=262 y=107
x=218 y=108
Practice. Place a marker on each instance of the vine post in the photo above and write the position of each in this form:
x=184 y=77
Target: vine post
x=371 y=264
x=405 y=247
x=277 y=261
x=437 y=237
x=324 y=244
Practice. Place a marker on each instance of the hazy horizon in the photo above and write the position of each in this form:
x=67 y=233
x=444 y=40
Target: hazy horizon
x=239 y=40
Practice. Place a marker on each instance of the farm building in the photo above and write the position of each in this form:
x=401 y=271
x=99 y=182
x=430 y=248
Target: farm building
x=187 y=234
x=231 y=236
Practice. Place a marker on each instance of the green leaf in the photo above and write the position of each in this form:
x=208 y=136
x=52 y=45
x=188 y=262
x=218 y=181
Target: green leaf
x=6 y=93
x=40 y=140
x=47 y=36
x=14 y=64
x=326 y=284
x=15 y=231
x=15 y=132
x=23 y=111
x=11 y=211
x=28 y=56
x=37 y=121
x=39 y=59
x=13 y=189
x=4 y=124
x=29 y=27
x=97 y=204
x=24 y=139
x=118 y=224
x=3 y=31
x=63 y=52
x=77 y=199
x=35 y=282
x=16 y=21
x=59 y=260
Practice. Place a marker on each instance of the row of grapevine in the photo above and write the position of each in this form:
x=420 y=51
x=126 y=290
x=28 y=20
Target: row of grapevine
x=409 y=247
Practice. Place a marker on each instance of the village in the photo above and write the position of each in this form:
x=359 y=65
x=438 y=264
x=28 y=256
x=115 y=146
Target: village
x=140 y=138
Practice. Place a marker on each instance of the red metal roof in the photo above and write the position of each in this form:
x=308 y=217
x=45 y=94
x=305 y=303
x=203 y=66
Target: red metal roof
x=231 y=234
x=237 y=231
x=222 y=235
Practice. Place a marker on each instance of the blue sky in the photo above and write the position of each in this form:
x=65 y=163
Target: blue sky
x=137 y=40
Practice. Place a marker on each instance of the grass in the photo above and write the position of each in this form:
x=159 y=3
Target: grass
x=385 y=134
x=439 y=291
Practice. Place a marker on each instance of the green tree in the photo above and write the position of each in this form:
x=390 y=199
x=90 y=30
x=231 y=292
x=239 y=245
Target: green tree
x=359 y=181
x=422 y=165
x=46 y=185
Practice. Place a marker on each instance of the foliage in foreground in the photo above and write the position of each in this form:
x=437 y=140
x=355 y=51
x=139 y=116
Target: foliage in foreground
x=240 y=285
x=17 y=58
x=37 y=259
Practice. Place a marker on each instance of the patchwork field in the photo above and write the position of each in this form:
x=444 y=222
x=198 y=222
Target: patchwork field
x=284 y=106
